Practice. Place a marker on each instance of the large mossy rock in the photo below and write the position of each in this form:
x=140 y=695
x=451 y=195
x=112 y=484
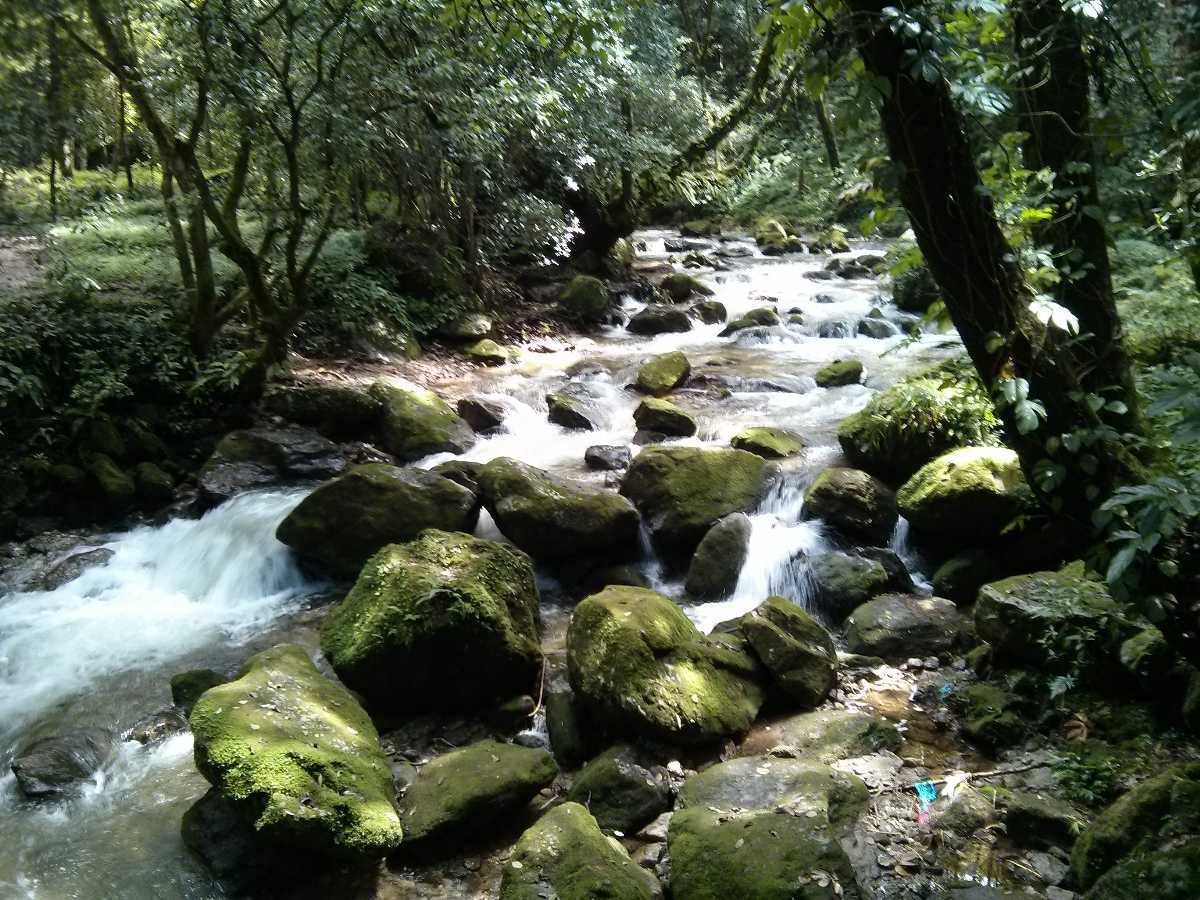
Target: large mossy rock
x=917 y=419
x=914 y=290
x=1015 y=614
x=1145 y=819
x=965 y=497
x=682 y=492
x=853 y=502
x=663 y=374
x=765 y=828
x=575 y=406
x=769 y=443
x=839 y=373
x=344 y=522
x=462 y=793
x=565 y=855
x=334 y=410
x=993 y=717
x=298 y=757
x=664 y=417
x=841 y=583
x=446 y=620
x=898 y=626
x=416 y=423
x=824 y=736
x=679 y=286
x=794 y=648
x=1172 y=874
x=717 y=562
x=621 y=791
x=640 y=667
x=659 y=320
x=553 y=519
x=585 y=299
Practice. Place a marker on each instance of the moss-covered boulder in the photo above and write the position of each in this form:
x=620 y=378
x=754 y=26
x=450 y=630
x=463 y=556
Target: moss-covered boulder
x=857 y=504
x=915 y=290
x=773 y=238
x=153 y=484
x=464 y=792
x=961 y=576
x=570 y=739
x=186 y=687
x=488 y=352
x=839 y=373
x=1143 y=820
x=466 y=327
x=763 y=316
x=965 y=497
x=1015 y=614
x=659 y=320
x=553 y=519
x=710 y=312
x=701 y=228
x=1171 y=874
x=664 y=417
x=638 y=665
x=445 y=620
x=769 y=443
x=898 y=626
x=992 y=717
x=585 y=299
x=841 y=583
x=621 y=791
x=417 y=423
x=565 y=855
x=824 y=736
x=334 y=410
x=346 y=521
x=298 y=757
x=917 y=419
x=717 y=562
x=682 y=492
x=115 y=486
x=769 y=782
x=680 y=286
x=574 y=406
x=794 y=648
x=663 y=374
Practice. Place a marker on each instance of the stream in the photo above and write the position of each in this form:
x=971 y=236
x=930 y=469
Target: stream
x=100 y=650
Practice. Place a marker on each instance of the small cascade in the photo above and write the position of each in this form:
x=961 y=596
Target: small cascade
x=903 y=547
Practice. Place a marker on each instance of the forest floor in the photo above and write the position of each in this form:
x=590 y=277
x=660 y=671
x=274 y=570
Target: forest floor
x=20 y=260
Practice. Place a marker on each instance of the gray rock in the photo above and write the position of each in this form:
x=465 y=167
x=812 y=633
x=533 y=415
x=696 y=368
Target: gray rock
x=659 y=320
x=55 y=766
x=895 y=626
x=842 y=583
x=265 y=456
x=853 y=502
x=717 y=562
x=481 y=414
x=67 y=570
x=607 y=458
x=621 y=790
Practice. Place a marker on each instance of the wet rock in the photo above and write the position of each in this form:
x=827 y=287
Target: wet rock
x=186 y=687
x=334 y=410
x=113 y=484
x=416 y=423
x=842 y=583
x=896 y=626
x=659 y=320
x=215 y=830
x=840 y=372
x=717 y=562
x=899 y=580
x=447 y=620
x=1037 y=821
x=300 y=759
x=833 y=328
x=344 y=522
x=773 y=239
x=664 y=417
x=967 y=812
x=676 y=245
x=763 y=316
x=568 y=738
x=710 y=312
x=680 y=287
x=638 y=665
x=488 y=353
x=467 y=327
x=643 y=437
x=1172 y=874
x=878 y=329
x=962 y=575
x=824 y=736
x=54 y=767
x=606 y=458
x=915 y=290
x=554 y=519
x=769 y=443
x=261 y=457
x=965 y=497
x=465 y=792
x=621 y=791
x=825 y=298
x=663 y=374
x=848 y=268
x=154 y=486
x=701 y=228
x=770 y=782
x=157 y=727
x=462 y=472
x=794 y=648
x=481 y=414
x=566 y=855
x=67 y=570
x=853 y=502
x=682 y=492
x=992 y=717
x=585 y=299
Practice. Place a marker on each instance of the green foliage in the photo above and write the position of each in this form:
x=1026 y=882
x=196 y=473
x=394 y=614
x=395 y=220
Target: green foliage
x=24 y=198
x=1090 y=778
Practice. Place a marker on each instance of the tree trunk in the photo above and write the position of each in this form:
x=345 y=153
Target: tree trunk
x=831 y=148
x=54 y=110
x=983 y=288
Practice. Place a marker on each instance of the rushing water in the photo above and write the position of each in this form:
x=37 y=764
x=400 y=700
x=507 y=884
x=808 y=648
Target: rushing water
x=100 y=650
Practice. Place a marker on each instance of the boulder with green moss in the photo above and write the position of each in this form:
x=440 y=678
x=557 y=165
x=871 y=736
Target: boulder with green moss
x=416 y=423
x=824 y=735
x=488 y=352
x=153 y=484
x=682 y=492
x=773 y=238
x=345 y=521
x=585 y=299
x=992 y=716
x=553 y=519
x=464 y=792
x=680 y=286
x=710 y=312
x=917 y=419
x=659 y=320
x=298 y=757
x=186 y=687
x=769 y=782
x=717 y=562
x=855 y=503
x=664 y=417
x=915 y=290
x=841 y=583
x=794 y=648
x=965 y=497
x=1169 y=874
x=621 y=790
x=335 y=410
x=763 y=316
x=898 y=626
x=663 y=374
x=769 y=443
x=1146 y=818
x=701 y=228
x=115 y=486
x=639 y=666
x=839 y=373
x=565 y=855
x=445 y=620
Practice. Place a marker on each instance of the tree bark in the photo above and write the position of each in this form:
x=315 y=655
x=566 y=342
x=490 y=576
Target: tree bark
x=827 y=135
